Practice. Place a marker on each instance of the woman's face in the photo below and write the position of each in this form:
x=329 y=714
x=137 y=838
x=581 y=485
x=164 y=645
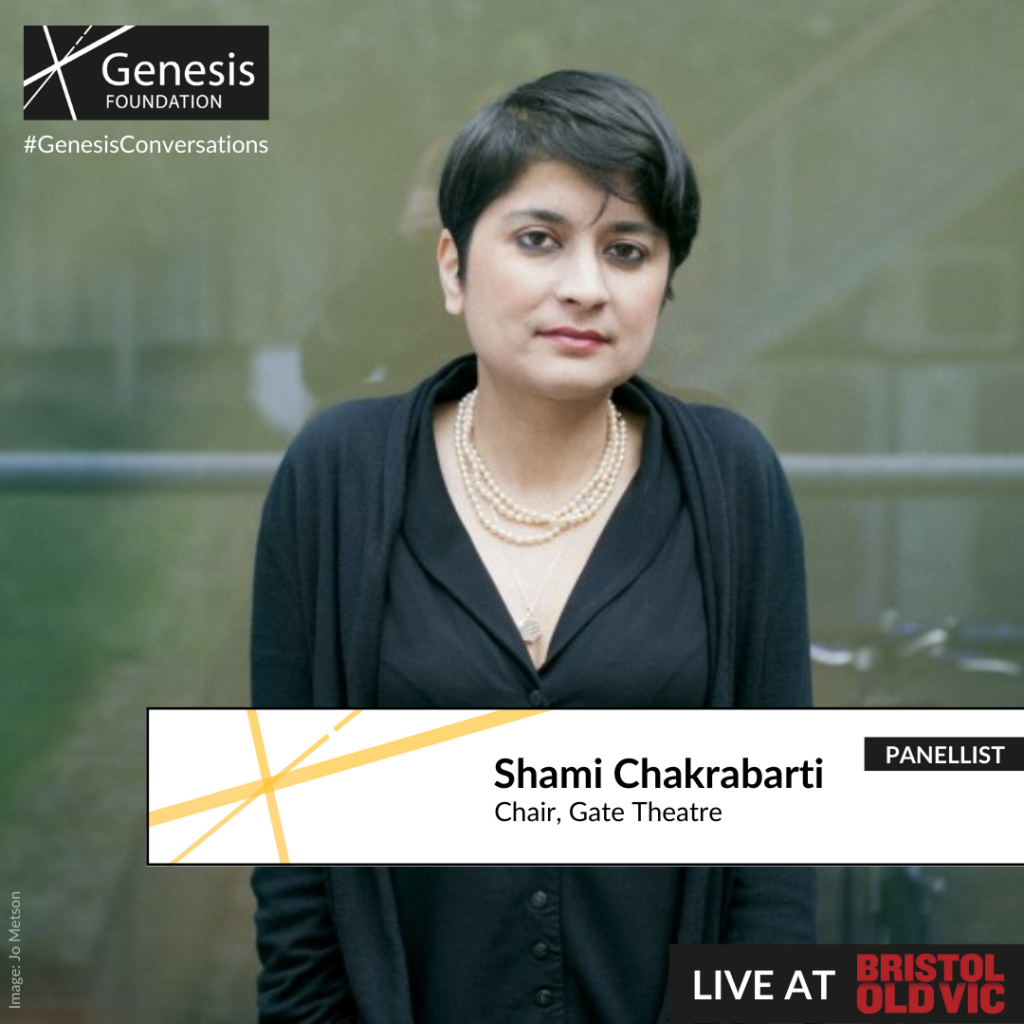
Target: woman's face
x=563 y=286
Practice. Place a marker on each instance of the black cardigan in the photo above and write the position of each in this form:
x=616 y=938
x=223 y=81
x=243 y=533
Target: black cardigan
x=329 y=938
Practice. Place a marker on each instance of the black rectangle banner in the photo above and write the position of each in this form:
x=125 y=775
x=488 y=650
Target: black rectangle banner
x=833 y=984
x=146 y=72
x=943 y=754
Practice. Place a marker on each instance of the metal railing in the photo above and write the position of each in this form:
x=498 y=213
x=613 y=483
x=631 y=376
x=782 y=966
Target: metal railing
x=863 y=474
x=905 y=474
x=128 y=471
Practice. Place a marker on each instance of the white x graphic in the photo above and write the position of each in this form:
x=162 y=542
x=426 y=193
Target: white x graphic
x=55 y=67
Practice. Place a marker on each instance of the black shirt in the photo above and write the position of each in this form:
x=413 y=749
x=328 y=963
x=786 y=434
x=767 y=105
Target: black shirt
x=632 y=633
x=513 y=944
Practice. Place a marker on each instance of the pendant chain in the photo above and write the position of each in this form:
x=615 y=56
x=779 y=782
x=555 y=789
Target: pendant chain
x=529 y=627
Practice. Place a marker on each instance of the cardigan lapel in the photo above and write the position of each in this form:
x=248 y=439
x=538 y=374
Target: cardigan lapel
x=369 y=548
x=713 y=539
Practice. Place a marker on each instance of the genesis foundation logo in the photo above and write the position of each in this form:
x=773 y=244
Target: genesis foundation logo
x=147 y=72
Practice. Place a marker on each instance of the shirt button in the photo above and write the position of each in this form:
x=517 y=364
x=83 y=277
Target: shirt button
x=541 y=950
x=544 y=997
x=539 y=899
x=537 y=699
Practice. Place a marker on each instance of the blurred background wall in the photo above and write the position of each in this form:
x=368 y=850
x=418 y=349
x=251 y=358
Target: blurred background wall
x=856 y=288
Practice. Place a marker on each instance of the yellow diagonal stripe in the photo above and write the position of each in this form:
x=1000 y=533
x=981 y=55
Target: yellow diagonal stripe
x=220 y=824
x=381 y=752
x=243 y=792
x=221 y=798
x=348 y=718
x=261 y=760
x=264 y=786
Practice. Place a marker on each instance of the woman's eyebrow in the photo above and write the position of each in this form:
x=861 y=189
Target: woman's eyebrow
x=547 y=216
x=629 y=227
x=635 y=227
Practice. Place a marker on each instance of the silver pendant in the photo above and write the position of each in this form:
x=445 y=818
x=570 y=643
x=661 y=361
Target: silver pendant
x=529 y=630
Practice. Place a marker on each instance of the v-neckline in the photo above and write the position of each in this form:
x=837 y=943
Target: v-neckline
x=629 y=541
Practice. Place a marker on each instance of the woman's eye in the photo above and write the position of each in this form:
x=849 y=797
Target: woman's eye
x=536 y=241
x=627 y=252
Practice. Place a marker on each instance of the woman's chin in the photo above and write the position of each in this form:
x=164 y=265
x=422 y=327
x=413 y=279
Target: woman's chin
x=562 y=379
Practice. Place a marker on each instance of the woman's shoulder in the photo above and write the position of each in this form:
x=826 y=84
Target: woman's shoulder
x=340 y=449
x=363 y=421
x=364 y=427
x=715 y=430
x=726 y=426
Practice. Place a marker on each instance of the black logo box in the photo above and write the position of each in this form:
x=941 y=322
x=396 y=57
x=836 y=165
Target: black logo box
x=944 y=754
x=182 y=44
x=840 y=1006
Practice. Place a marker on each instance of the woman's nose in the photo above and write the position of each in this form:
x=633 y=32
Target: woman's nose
x=582 y=279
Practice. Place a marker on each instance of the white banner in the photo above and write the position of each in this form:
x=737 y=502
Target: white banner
x=584 y=787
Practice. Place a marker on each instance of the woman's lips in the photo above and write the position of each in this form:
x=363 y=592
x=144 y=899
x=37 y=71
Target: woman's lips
x=570 y=337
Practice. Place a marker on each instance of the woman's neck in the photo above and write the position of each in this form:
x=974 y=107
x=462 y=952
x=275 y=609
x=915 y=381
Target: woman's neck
x=539 y=449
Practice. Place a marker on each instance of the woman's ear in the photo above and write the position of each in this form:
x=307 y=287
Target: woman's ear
x=448 y=268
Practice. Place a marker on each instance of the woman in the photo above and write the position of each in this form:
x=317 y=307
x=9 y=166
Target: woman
x=532 y=526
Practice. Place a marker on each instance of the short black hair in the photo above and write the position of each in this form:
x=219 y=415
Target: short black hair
x=610 y=130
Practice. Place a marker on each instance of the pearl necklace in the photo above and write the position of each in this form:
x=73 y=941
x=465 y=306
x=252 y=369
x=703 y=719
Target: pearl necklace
x=483 y=489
